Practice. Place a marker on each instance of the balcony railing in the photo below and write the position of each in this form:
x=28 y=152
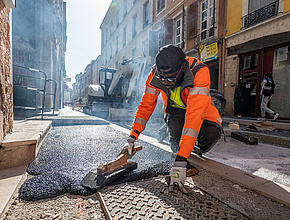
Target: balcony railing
x=205 y=37
x=260 y=15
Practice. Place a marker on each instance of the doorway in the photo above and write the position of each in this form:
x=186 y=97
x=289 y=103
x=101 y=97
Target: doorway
x=249 y=78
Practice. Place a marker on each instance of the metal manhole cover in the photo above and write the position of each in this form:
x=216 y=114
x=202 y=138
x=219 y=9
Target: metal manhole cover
x=150 y=199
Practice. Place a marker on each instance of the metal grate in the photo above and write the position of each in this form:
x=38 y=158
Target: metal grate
x=150 y=199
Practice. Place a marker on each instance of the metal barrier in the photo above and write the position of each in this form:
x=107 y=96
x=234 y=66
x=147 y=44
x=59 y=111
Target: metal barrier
x=35 y=81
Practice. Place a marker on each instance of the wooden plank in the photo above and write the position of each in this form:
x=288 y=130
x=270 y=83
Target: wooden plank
x=116 y=163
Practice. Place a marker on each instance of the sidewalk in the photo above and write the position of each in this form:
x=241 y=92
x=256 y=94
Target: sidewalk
x=10 y=178
x=17 y=150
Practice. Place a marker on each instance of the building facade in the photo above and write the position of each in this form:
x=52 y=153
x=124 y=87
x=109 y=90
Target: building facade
x=126 y=30
x=39 y=42
x=258 y=42
x=195 y=26
x=77 y=88
x=239 y=41
x=6 y=88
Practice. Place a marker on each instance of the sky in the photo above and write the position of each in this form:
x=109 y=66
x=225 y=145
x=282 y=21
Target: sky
x=83 y=34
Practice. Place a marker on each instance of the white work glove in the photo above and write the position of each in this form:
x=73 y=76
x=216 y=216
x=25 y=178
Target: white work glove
x=129 y=147
x=178 y=176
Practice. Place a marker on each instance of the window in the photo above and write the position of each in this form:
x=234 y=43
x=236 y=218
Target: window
x=281 y=66
x=178 y=32
x=124 y=36
x=117 y=44
x=103 y=37
x=117 y=19
x=207 y=19
x=134 y=26
x=249 y=62
x=125 y=7
x=107 y=35
x=160 y=38
x=160 y=5
x=144 y=47
x=146 y=14
x=260 y=10
x=134 y=52
x=105 y=57
x=111 y=28
x=254 y=5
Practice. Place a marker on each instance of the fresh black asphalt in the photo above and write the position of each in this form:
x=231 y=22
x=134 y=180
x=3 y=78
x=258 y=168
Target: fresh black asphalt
x=68 y=153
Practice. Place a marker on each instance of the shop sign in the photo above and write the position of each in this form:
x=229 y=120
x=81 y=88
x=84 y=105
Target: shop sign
x=208 y=52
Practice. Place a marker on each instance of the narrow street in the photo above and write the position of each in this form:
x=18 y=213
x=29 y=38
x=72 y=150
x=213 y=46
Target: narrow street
x=53 y=189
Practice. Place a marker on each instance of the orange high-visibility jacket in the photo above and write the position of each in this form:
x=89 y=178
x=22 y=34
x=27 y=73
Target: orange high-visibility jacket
x=195 y=95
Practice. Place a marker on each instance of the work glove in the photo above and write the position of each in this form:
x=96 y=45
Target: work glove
x=129 y=147
x=178 y=176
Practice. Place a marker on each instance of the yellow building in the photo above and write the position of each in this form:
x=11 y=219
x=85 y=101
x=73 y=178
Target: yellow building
x=257 y=42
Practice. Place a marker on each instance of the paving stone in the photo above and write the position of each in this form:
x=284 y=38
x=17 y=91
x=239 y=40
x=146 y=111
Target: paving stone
x=160 y=204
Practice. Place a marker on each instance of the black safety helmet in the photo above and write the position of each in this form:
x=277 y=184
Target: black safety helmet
x=170 y=56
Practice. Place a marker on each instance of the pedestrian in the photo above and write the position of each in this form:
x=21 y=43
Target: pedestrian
x=184 y=83
x=267 y=92
x=240 y=99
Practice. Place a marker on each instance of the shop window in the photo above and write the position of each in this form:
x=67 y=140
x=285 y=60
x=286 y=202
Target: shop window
x=281 y=75
x=249 y=62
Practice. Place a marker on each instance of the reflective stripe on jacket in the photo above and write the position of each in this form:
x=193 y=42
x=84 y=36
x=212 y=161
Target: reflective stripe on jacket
x=194 y=93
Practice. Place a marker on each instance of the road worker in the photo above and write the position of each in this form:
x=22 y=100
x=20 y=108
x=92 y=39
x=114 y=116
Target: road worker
x=193 y=121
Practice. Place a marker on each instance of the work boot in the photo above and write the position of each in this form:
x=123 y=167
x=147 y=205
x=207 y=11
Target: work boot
x=191 y=170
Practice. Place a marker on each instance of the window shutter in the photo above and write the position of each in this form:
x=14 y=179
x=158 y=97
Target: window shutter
x=192 y=20
x=168 y=27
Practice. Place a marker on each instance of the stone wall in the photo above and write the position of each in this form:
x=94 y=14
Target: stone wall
x=6 y=88
x=231 y=76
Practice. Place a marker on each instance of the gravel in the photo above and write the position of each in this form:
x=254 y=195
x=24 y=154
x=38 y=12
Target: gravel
x=62 y=207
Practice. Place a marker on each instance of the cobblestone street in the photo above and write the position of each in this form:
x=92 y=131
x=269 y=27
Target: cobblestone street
x=69 y=152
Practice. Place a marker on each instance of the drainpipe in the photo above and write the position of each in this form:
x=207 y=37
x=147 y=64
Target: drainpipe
x=223 y=65
x=223 y=51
